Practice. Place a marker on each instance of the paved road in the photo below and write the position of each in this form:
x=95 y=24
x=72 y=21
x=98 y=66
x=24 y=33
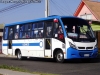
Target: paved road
x=75 y=67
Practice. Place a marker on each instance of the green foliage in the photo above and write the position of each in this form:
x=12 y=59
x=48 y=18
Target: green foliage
x=12 y=68
x=21 y=70
x=95 y=27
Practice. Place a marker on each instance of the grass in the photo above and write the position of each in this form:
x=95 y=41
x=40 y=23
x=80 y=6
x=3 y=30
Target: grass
x=22 y=70
x=95 y=27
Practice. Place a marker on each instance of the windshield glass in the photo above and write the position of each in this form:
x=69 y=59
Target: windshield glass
x=78 y=30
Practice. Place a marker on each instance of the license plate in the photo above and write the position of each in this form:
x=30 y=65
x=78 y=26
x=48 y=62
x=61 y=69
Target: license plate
x=86 y=55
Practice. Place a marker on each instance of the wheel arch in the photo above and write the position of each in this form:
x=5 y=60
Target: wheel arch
x=55 y=51
x=16 y=51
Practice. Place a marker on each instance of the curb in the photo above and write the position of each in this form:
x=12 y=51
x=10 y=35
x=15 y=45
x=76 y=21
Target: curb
x=3 y=55
x=11 y=72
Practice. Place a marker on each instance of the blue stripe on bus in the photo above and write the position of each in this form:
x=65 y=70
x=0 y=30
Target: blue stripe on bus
x=34 y=44
x=23 y=44
x=17 y=44
x=5 y=44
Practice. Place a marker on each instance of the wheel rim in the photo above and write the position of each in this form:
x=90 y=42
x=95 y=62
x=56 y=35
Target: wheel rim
x=19 y=55
x=59 y=57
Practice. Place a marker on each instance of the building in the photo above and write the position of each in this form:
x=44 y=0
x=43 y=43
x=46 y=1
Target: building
x=89 y=10
x=1 y=35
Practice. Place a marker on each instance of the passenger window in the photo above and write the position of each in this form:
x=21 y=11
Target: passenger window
x=32 y=34
x=25 y=30
x=11 y=32
x=25 y=34
x=34 y=30
x=33 y=26
x=16 y=32
x=28 y=27
x=37 y=30
x=49 y=29
x=58 y=28
x=5 y=34
x=22 y=28
x=58 y=32
x=40 y=29
x=35 y=33
x=21 y=35
x=40 y=33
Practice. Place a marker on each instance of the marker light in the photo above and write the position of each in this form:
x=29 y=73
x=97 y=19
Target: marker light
x=55 y=20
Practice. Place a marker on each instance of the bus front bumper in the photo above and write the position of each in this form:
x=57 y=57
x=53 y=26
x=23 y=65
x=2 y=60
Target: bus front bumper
x=74 y=53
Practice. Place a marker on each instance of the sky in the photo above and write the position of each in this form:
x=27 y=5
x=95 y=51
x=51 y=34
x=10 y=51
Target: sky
x=37 y=10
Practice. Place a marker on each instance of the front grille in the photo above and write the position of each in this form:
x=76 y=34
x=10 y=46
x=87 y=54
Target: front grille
x=89 y=47
x=85 y=48
x=81 y=47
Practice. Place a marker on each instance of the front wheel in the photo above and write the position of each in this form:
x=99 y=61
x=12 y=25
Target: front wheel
x=60 y=57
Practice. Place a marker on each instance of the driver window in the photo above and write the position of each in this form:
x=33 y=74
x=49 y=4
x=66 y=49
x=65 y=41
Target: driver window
x=73 y=29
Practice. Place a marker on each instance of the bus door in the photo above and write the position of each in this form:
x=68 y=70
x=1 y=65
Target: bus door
x=48 y=39
x=10 y=37
x=10 y=47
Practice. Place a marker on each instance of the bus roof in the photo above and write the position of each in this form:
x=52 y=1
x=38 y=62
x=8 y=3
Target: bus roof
x=41 y=19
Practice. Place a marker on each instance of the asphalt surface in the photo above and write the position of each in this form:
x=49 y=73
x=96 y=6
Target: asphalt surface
x=70 y=67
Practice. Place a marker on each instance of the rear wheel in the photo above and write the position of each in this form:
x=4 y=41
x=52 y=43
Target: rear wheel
x=19 y=55
x=59 y=57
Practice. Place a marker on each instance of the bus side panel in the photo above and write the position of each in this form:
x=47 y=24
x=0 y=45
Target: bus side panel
x=19 y=44
x=58 y=44
x=35 y=48
x=30 y=47
x=5 y=47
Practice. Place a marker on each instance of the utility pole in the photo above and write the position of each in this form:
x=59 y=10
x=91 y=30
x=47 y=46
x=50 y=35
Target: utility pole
x=46 y=8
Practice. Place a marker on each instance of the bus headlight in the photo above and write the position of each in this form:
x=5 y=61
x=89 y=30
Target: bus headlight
x=72 y=45
x=96 y=46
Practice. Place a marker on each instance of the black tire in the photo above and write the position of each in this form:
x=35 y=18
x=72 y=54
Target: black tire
x=59 y=56
x=19 y=55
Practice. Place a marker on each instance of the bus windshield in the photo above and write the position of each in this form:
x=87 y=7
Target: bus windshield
x=78 y=30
